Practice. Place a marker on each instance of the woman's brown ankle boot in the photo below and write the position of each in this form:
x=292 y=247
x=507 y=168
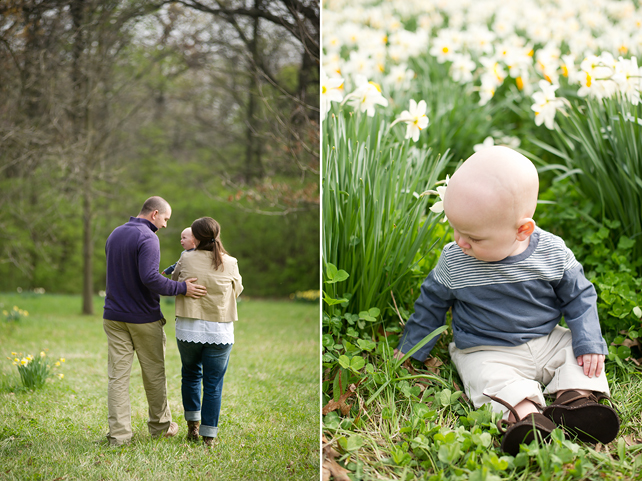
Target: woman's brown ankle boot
x=192 y=430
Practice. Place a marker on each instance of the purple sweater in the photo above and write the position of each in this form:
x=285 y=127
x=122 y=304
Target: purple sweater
x=134 y=284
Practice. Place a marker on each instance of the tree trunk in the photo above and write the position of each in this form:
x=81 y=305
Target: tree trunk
x=253 y=164
x=87 y=252
x=80 y=116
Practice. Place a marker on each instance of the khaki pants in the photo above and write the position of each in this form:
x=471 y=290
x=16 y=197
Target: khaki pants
x=515 y=373
x=148 y=341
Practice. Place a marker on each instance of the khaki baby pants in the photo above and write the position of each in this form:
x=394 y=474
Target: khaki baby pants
x=515 y=373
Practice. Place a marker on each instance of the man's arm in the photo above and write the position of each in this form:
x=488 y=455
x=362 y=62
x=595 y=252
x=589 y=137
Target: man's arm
x=148 y=264
x=192 y=290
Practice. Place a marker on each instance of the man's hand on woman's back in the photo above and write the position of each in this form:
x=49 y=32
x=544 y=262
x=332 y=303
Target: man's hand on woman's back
x=194 y=290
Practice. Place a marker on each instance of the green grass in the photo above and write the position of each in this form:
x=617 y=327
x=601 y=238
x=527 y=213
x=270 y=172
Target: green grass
x=269 y=425
x=417 y=428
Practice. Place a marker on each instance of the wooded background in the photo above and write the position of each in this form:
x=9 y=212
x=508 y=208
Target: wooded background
x=212 y=104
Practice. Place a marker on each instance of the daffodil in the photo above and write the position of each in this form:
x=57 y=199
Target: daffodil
x=330 y=92
x=399 y=77
x=416 y=119
x=445 y=45
x=366 y=96
x=488 y=142
x=42 y=354
x=462 y=68
x=595 y=76
x=61 y=375
x=627 y=77
x=546 y=104
x=438 y=207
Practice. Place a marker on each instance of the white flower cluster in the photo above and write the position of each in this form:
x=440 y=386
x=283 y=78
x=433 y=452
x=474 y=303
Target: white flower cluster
x=592 y=44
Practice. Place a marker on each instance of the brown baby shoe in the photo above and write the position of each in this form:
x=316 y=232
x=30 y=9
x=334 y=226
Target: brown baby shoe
x=522 y=431
x=583 y=416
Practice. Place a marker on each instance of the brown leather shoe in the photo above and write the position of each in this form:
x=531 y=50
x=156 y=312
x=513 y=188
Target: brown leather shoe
x=172 y=430
x=192 y=430
x=583 y=416
x=208 y=442
x=522 y=431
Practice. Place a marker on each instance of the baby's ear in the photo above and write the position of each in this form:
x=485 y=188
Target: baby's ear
x=525 y=229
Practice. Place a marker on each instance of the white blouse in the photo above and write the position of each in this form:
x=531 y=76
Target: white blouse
x=204 y=332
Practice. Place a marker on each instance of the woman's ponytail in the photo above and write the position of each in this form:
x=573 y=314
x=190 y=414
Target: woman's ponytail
x=207 y=231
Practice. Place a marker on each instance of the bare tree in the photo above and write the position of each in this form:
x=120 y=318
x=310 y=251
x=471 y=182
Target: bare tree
x=290 y=110
x=63 y=123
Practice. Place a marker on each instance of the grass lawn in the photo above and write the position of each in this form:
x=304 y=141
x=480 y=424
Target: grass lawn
x=269 y=424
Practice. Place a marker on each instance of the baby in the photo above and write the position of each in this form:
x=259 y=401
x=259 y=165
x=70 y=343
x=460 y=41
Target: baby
x=189 y=244
x=509 y=283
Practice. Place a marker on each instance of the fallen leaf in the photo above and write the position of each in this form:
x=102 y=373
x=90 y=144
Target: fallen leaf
x=330 y=467
x=630 y=441
x=433 y=364
x=631 y=342
x=340 y=403
x=463 y=393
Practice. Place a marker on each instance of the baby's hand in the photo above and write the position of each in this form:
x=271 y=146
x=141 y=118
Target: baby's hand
x=398 y=354
x=593 y=364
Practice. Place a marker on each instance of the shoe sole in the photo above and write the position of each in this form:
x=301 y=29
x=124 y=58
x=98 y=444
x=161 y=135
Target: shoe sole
x=593 y=423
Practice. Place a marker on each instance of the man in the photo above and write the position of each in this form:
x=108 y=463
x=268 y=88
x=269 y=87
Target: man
x=133 y=320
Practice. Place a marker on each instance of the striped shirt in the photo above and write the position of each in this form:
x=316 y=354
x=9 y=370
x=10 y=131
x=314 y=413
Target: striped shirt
x=508 y=302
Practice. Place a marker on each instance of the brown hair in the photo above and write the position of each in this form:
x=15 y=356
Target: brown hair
x=207 y=231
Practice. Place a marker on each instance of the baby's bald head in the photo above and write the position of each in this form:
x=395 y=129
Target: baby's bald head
x=490 y=202
x=497 y=184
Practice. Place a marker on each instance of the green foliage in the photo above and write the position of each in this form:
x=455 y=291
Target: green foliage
x=375 y=228
x=599 y=143
x=608 y=258
x=278 y=254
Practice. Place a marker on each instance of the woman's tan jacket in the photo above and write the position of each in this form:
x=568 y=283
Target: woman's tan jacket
x=223 y=285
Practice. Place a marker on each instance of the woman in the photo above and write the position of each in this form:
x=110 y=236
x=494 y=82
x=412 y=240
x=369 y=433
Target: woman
x=205 y=328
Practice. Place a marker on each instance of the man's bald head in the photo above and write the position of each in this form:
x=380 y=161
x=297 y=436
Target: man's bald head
x=154 y=203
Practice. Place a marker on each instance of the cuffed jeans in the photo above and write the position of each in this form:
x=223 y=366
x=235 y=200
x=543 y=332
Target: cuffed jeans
x=148 y=341
x=206 y=363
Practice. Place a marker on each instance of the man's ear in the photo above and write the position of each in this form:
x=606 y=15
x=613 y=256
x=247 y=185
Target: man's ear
x=525 y=229
x=153 y=215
